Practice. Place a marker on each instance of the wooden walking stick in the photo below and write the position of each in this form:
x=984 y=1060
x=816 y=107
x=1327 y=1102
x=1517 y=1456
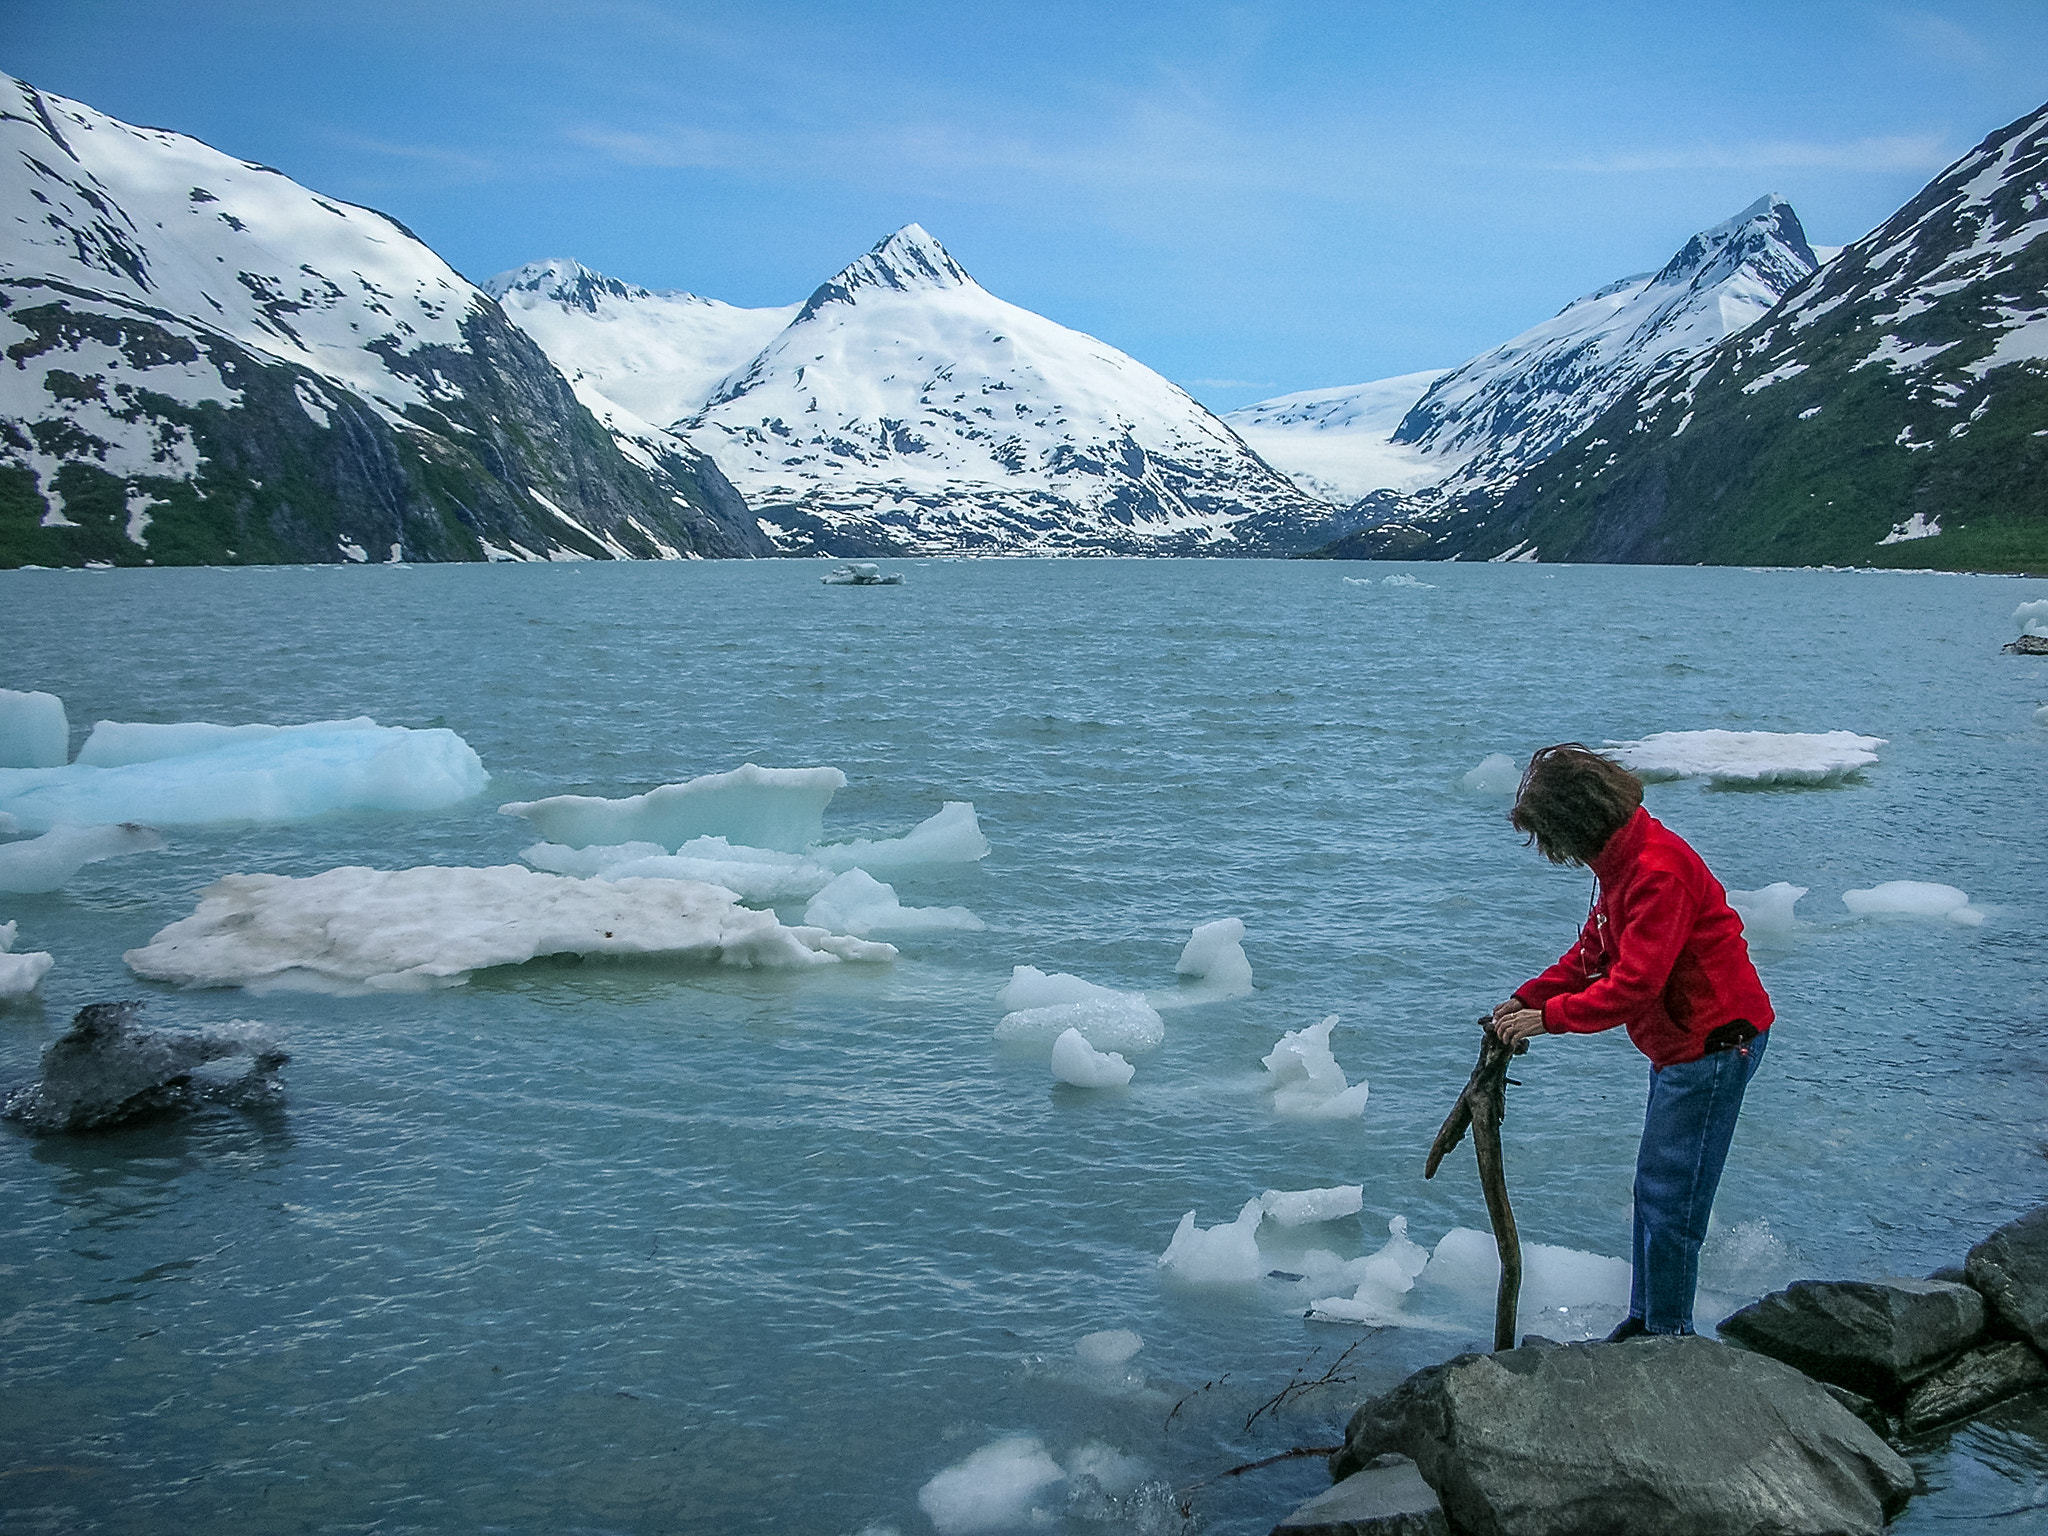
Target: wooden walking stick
x=1482 y=1106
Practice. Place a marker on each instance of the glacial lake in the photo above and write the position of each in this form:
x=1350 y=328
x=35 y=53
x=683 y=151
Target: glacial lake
x=634 y=1247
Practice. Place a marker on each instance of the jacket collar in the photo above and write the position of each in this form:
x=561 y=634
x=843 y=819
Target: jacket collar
x=1621 y=849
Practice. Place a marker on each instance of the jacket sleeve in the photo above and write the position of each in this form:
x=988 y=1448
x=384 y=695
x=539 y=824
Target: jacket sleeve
x=1568 y=975
x=1661 y=912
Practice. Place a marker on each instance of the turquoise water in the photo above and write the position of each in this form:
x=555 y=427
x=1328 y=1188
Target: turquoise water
x=631 y=1247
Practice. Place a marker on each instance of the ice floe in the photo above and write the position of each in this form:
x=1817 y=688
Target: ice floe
x=45 y=863
x=108 y=1069
x=1226 y=1254
x=1306 y=1081
x=34 y=731
x=992 y=1489
x=758 y=875
x=2032 y=618
x=1495 y=775
x=1553 y=1278
x=196 y=774
x=1382 y=1279
x=776 y=808
x=1913 y=898
x=366 y=929
x=1767 y=913
x=1077 y=1062
x=1212 y=967
x=20 y=974
x=1398 y=580
x=859 y=904
x=1042 y=1007
x=1306 y=1207
x=1748 y=757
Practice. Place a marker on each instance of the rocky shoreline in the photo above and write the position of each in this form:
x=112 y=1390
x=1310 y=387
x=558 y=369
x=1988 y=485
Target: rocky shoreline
x=1789 y=1426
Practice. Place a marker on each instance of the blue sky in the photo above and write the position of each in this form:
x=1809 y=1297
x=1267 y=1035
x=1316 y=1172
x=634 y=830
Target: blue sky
x=1252 y=199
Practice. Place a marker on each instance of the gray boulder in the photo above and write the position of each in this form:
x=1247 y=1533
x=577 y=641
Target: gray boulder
x=1653 y=1437
x=1387 y=1498
x=2011 y=1268
x=1974 y=1381
x=109 y=1069
x=1876 y=1337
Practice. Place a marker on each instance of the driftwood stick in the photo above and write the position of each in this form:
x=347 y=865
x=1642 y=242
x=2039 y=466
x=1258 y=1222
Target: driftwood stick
x=1482 y=1106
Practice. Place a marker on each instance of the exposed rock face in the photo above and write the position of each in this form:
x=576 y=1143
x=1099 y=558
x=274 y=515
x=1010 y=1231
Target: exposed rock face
x=1975 y=1381
x=108 y=1069
x=1669 y=1435
x=1876 y=1337
x=1387 y=1498
x=2011 y=1268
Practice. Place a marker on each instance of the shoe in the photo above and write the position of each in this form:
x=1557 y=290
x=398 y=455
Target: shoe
x=1631 y=1328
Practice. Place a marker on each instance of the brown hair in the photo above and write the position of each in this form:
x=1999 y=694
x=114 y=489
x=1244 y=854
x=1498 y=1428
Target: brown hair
x=1572 y=800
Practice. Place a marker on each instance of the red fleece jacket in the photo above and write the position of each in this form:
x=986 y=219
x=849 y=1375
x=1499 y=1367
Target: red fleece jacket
x=1661 y=953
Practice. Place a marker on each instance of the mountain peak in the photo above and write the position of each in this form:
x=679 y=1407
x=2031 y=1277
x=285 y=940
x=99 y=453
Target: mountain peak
x=908 y=261
x=564 y=282
x=1767 y=232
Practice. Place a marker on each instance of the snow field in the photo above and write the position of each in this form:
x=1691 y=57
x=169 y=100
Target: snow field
x=20 y=974
x=34 y=732
x=1747 y=757
x=1913 y=898
x=44 y=863
x=351 y=929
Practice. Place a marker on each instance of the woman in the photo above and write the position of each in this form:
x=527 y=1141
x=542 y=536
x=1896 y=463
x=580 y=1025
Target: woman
x=1662 y=954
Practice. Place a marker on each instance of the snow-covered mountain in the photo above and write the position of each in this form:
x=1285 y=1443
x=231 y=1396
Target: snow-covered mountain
x=1338 y=443
x=212 y=362
x=903 y=408
x=1892 y=411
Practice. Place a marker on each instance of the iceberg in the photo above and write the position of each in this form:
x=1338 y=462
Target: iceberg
x=1913 y=898
x=951 y=836
x=1382 y=1279
x=196 y=775
x=352 y=929
x=1306 y=1207
x=20 y=974
x=34 y=731
x=992 y=1490
x=782 y=809
x=1212 y=967
x=1495 y=775
x=1077 y=1062
x=2032 y=618
x=44 y=863
x=1219 y=1255
x=1553 y=1278
x=1043 y=1007
x=1747 y=757
x=859 y=904
x=1306 y=1081
x=1767 y=913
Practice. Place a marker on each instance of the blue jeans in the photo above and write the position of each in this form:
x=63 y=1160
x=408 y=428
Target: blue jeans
x=1686 y=1131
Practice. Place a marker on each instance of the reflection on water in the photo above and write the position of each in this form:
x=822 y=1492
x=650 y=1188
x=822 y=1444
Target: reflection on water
x=621 y=1247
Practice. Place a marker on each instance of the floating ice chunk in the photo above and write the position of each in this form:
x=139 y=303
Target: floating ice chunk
x=2041 y=715
x=1077 y=1062
x=1767 y=914
x=45 y=863
x=1914 y=898
x=776 y=808
x=991 y=1490
x=1113 y=1472
x=1495 y=775
x=952 y=836
x=758 y=875
x=2032 y=618
x=34 y=731
x=1212 y=966
x=1748 y=757
x=1306 y=1081
x=380 y=930
x=1467 y=1261
x=1029 y=987
x=1305 y=1207
x=107 y=1069
x=1110 y=1347
x=116 y=744
x=1123 y=1022
x=20 y=974
x=1407 y=581
x=1221 y=1255
x=1382 y=1280
x=859 y=904
x=252 y=773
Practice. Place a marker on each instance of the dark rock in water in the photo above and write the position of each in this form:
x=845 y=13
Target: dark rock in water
x=1988 y=1374
x=1953 y=1274
x=108 y=1069
x=2011 y=1268
x=1655 y=1437
x=1387 y=1498
x=1864 y=1409
x=2027 y=645
x=1876 y=1337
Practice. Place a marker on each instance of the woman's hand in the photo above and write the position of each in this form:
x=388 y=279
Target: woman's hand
x=1512 y=1023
